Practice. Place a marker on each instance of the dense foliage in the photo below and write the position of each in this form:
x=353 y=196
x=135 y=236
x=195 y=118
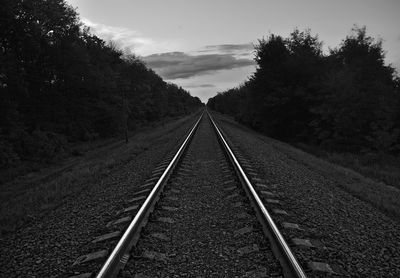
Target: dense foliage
x=347 y=100
x=59 y=83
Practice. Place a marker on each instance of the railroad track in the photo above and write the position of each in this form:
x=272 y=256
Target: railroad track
x=201 y=214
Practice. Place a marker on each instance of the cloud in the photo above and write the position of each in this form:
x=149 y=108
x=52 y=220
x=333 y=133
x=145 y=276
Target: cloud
x=129 y=40
x=203 y=71
x=200 y=86
x=229 y=48
x=173 y=65
x=221 y=81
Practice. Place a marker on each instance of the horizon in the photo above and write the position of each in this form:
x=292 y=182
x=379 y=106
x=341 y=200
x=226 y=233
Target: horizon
x=210 y=54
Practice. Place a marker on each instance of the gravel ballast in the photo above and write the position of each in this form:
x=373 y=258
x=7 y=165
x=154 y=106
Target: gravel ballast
x=50 y=243
x=350 y=234
x=203 y=226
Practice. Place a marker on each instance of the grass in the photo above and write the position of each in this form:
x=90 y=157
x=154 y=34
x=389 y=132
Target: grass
x=29 y=196
x=371 y=177
x=33 y=199
x=35 y=165
x=381 y=167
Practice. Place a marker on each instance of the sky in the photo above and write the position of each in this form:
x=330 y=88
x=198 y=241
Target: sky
x=207 y=46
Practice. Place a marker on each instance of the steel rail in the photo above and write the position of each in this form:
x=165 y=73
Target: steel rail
x=119 y=255
x=291 y=267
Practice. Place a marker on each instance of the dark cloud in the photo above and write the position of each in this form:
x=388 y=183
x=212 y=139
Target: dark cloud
x=201 y=86
x=173 y=65
x=228 y=48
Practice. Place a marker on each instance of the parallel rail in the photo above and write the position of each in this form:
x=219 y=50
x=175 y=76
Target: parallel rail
x=291 y=267
x=120 y=254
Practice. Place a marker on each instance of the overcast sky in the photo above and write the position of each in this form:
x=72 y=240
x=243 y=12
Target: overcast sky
x=206 y=46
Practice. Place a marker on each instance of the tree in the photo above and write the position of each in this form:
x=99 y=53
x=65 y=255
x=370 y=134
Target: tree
x=60 y=83
x=359 y=102
x=347 y=100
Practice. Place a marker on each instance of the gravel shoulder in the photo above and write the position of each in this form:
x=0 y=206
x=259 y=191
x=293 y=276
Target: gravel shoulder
x=95 y=190
x=354 y=234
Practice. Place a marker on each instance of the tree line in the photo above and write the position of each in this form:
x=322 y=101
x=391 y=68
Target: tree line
x=59 y=83
x=346 y=100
